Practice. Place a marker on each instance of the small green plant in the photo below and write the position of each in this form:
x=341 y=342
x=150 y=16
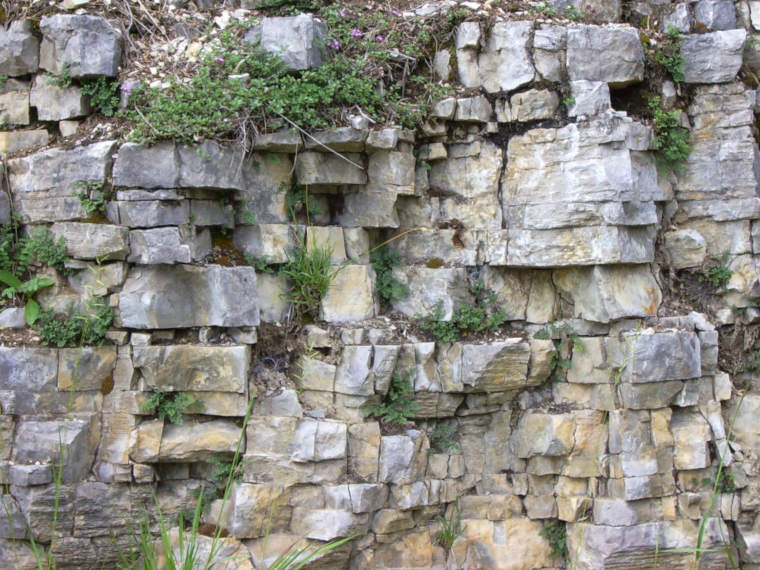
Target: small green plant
x=397 y=407
x=546 y=10
x=77 y=328
x=671 y=139
x=169 y=405
x=103 y=93
x=753 y=364
x=568 y=101
x=310 y=273
x=225 y=470
x=565 y=341
x=573 y=13
x=92 y=198
x=3 y=78
x=724 y=482
x=668 y=54
x=479 y=317
x=718 y=274
x=246 y=215
x=451 y=527
x=442 y=438
x=296 y=558
x=299 y=204
x=387 y=287
x=27 y=288
x=555 y=531
x=260 y=264
x=64 y=80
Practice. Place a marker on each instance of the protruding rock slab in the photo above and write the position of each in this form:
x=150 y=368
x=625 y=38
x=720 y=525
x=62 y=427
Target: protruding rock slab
x=193 y=368
x=198 y=441
x=623 y=60
x=86 y=45
x=713 y=58
x=189 y=296
x=297 y=40
x=20 y=49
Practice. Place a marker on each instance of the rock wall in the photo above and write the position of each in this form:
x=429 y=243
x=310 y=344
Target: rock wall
x=608 y=401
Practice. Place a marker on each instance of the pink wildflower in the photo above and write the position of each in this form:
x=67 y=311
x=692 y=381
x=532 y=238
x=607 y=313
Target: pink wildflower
x=356 y=33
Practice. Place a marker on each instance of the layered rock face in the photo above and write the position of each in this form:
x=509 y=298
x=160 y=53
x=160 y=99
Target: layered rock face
x=607 y=406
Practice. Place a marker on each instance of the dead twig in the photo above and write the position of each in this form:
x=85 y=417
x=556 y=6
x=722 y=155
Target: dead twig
x=335 y=152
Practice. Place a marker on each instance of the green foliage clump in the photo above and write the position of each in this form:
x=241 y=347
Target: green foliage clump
x=103 y=93
x=565 y=341
x=671 y=140
x=718 y=274
x=387 y=287
x=555 y=531
x=260 y=264
x=224 y=471
x=451 y=528
x=169 y=405
x=77 y=328
x=92 y=198
x=397 y=407
x=668 y=54
x=724 y=482
x=299 y=204
x=21 y=256
x=479 y=317
x=310 y=272
x=442 y=438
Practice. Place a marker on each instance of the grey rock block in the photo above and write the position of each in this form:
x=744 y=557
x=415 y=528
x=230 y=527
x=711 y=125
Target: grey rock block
x=149 y=213
x=55 y=103
x=715 y=14
x=275 y=242
x=59 y=172
x=319 y=441
x=297 y=40
x=193 y=368
x=93 y=241
x=14 y=102
x=28 y=475
x=167 y=245
x=505 y=63
x=19 y=49
x=622 y=62
x=12 y=523
x=86 y=45
x=28 y=369
x=85 y=368
x=589 y=98
x=327 y=524
x=341 y=139
x=195 y=441
x=714 y=57
x=659 y=357
x=15 y=141
x=138 y=166
x=40 y=440
x=188 y=296
x=316 y=168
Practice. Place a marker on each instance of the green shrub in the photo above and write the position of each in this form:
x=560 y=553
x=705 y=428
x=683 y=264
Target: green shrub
x=92 y=198
x=718 y=274
x=442 y=438
x=103 y=93
x=479 y=317
x=77 y=328
x=565 y=341
x=555 y=531
x=451 y=528
x=169 y=405
x=397 y=407
x=224 y=471
x=671 y=140
x=387 y=287
x=310 y=273
x=668 y=54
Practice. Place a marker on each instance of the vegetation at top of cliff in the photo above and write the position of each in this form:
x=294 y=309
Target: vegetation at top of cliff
x=374 y=65
x=667 y=53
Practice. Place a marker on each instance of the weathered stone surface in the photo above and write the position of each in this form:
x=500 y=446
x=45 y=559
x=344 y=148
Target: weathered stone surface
x=55 y=103
x=624 y=57
x=28 y=369
x=317 y=168
x=657 y=357
x=193 y=368
x=589 y=98
x=544 y=434
x=504 y=64
x=87 y=45
x=606 y=293
x=93 y=241
x=327 y=524
x=139 y=166
x=712 y=58
x=85 y=368
x=187 y=296
x=273 y=242
x=318 y=441
x=195 y=441
x=364 y=449
x=297 y=40
x=534 y=105
x=284 y=140
x=430 y=287
x=14 y=141
x=327 y=238
x=715 y=14
x=342 y=139
x=59 y=172
x=391 y=171
x=13 y=524
x=369 y=210
x=167 y=246
x=41 y=440
x=255 y=507
x=686 y=248
x=271 y=290
x=20 y=49
x=473 y=109
x=356 y=498
x=349 y=297
x=402 y=458
x=14 y=102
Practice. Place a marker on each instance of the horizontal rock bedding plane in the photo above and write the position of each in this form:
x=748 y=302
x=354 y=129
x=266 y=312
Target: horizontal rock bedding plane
x=455 y=285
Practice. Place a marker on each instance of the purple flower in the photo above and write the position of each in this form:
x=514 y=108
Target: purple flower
x=219 y=60
x=356 y=33
x=379 y=38
x=334 y=44
x=126 y=88
x=395 y=12
x=345 y=12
